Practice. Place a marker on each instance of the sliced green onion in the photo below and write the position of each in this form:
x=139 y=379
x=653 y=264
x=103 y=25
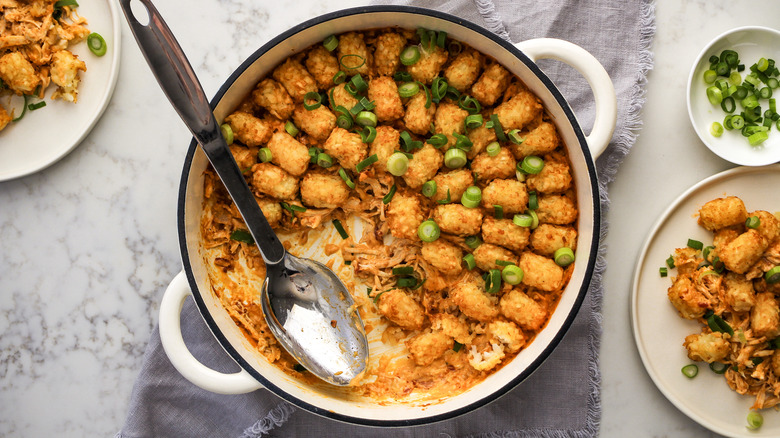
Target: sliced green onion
x=470 y=262
x=512 y=274
x=532 y=164
x=716 y=129
x=754 y=420
x=37 y=105
x=441 y=38
x=710 y=76
x=408 y=143
x=728 y=105
x=366 y=118
x=291 y=129
x=324 y=160
x=403 y=270
x=340 y=77
x=344 y=176
x=313 y=154
x=265 y=155
x=402 y=76
x=446 y=200
x=695 y=244
x=455 y=158
x=737 y=122
x=367 y=162
x=514 y=136
x=24 y=109
x=428 y=231
x=389 y=196
x=312 y=100
x=397 y=164
x=340 y=228
x=347 y=58
x=473 y=242
x=227 y=133
x=717 y=324
x=242 y=236
x=438 y=88
x=533 y=200
x=753 y=222
x=523 y=220
x=471 y=197
x=499 y=130
x=462 y=142
x=718 y=368
x=368 y=134
x=493 y=149
x=469 y=104
x=408 y=89
x=563 y=256
x=437 y=141
x=498 y=212
x=429 y=188
x=534 y=219
x=758 y=138
x=473 y=121
x=690 y=371
x=663 y=271
x=714 y=95
x=330 y=43
x=96 y=44
x=410 y=55
x=493 y=282
x=772 y=276
x=368 y=105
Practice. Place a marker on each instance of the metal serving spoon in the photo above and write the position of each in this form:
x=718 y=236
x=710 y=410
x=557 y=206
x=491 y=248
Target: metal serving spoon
x=306 y=305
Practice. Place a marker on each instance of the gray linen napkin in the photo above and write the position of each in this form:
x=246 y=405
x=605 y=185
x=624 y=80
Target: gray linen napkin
x=561 y=399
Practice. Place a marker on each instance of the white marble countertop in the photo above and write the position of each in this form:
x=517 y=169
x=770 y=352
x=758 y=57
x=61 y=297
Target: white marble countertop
x=89 y=244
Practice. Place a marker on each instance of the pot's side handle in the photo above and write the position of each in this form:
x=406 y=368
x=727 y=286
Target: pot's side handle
x=181 y=358
x=598 y=79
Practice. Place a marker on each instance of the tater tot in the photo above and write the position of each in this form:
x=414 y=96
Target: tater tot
x=518 y=111
x=449 y=118
x=341 y=97
x=480 y=138
x=504 y=232
x=547 y=238
x=707 y=347
x=689 y=301
x=741 y=253
x=541 y=272
x=452 y=184
x=273 y=181
x=346 y=147
x=557 y=210
x=508 y=334
x=272 y=96
x=384 y=93
x=404 y=215
x=401 y=309
x=318 y=123
x=523 y=310
x=18 y=74
x=491 y=84
x=769 y=225
x=464 y=70
x=722 y=212
x=323 y=190
x=271 y=209
x=740 y=294
x=353 y=54
x=65 y=68
x=541 y=140
x=510 y=194
x=487 y=254
x=245 y=157
x=322 y=65
x=248 y=129
x=443 y=256
x=428 y=66
x=452 y=326
x=472 y=300
x=387 y=141
x=295 y=78
x=487 y=168
x=555 y=177
x=288 y=153
x=418 y=118
x=765 y=316
x=387 y=53
x=423 y=166
x=427 y=347
x=457 y=219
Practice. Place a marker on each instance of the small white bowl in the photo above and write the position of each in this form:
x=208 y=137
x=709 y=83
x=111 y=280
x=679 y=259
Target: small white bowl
x=752 y=43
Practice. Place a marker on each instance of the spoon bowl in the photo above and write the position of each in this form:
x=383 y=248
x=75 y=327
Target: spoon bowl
x=307 y=307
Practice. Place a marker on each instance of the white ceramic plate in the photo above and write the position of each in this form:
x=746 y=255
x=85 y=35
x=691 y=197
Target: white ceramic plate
x=752 y=43
x=44 y=136
x=659 y=331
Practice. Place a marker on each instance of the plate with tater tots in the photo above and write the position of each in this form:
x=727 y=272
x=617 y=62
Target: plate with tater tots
x=704 y=302
x=59 y=62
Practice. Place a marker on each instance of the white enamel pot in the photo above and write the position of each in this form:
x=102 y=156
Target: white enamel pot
x=330 y=401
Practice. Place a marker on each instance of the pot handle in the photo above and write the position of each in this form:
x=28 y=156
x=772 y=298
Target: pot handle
x=181 y=358
x=598 y=79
